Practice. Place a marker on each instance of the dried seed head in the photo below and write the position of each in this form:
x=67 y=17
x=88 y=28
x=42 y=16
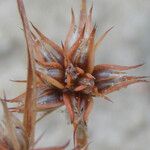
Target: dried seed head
x=68 y=73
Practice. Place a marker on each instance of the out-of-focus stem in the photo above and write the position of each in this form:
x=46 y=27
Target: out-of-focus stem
x=81 y=135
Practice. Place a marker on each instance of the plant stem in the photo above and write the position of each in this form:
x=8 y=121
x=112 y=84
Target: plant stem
x=81 y=135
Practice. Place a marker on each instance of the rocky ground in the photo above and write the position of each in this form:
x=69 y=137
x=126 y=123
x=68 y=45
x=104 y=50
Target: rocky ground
x=121 y=125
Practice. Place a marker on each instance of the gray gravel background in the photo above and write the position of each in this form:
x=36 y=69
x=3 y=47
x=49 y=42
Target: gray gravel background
x=122 y=125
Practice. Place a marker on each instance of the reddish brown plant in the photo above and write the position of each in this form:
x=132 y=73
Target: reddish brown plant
x=66 y=75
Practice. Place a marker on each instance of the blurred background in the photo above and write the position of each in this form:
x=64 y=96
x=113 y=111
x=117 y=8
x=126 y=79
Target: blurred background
x=121 y=125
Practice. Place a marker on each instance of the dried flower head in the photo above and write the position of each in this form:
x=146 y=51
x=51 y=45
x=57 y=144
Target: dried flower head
x=66 y=74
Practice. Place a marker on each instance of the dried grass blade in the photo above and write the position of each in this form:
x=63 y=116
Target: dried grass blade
x=89 y=20
x=102 y=38
x=115 y=67
x=83 y=15
x=45 y=114
x=30 y=103
x=88 y=110
x=48 y=41
x=19 y=81
x=91 y=52
x=10 y=127
x=67 y=102
x=50 y=80
x=71 y=29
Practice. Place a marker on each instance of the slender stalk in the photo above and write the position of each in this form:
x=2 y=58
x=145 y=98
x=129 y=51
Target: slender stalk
x=81 y=135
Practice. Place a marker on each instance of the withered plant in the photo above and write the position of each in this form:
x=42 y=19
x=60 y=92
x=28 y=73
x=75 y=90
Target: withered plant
x=62 y=75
